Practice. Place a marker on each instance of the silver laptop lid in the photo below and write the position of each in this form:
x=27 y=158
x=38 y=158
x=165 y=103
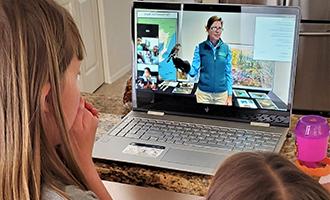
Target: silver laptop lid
x=254 y=61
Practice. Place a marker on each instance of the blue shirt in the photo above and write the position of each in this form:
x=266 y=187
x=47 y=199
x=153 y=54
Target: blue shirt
x=208 y=82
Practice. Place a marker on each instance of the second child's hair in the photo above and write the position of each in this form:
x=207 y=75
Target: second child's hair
x=38 y=40
x=148 y=69
x=211 y=20
x=263 y=176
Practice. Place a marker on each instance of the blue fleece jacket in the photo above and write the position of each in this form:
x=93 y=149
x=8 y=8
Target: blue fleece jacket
x=214 y=65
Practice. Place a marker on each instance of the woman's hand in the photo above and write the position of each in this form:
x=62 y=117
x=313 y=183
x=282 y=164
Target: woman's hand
x=229 y=101
x=83 y=132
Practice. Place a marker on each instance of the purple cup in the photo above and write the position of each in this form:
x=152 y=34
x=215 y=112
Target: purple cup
x=312 y=134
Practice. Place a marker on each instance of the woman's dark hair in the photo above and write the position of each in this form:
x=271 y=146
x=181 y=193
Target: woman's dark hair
x=148 y=69
x=263 y=176
x=211 y=20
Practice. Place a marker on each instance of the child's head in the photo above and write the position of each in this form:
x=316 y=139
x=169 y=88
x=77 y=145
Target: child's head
x=263 y=176
x=40 y=54
x=139 y=40
x=155 y=50
x=147 y=72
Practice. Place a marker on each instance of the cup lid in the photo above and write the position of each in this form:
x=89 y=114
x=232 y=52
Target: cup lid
x=312 y=126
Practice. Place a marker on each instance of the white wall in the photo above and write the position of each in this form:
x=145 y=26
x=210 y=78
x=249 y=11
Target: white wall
x=117 y=22
x=282 y=80
x=193 y=30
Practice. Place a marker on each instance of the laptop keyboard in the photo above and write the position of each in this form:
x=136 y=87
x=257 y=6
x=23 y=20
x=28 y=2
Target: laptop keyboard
x=164 y=131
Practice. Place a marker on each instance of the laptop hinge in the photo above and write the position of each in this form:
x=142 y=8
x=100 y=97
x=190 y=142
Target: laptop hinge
x=155 y=113
x=260 y=124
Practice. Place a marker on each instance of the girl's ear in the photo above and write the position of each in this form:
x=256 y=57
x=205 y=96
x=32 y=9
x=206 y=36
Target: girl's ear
x=44 y=101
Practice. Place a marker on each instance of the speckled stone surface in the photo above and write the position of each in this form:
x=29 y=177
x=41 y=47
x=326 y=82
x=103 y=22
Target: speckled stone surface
x=171 y=180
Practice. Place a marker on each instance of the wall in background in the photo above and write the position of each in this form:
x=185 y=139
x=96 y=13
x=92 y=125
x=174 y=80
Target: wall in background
x=116 y=35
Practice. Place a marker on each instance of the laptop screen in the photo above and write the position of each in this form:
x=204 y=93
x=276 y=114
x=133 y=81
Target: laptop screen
x=221 y=61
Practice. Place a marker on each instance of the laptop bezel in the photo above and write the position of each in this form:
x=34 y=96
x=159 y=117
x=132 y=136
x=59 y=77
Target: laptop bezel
x=207 y=110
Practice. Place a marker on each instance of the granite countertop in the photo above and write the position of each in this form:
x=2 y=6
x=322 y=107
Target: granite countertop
x=171 y=180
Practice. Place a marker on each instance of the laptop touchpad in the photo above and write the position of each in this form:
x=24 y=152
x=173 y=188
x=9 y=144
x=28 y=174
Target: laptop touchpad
x=193 y=158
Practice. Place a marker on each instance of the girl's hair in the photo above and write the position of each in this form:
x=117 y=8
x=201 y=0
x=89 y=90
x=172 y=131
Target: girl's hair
x=38 y=39
x=211 y=20
x=263 y=176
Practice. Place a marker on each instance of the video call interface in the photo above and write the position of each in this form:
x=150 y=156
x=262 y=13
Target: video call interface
x=255 y=69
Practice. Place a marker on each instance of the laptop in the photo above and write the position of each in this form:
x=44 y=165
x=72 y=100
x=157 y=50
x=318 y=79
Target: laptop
x=167 y=127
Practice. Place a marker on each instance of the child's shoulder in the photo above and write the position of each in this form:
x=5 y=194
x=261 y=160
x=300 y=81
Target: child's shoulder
x=47 y=194
x=72 y=191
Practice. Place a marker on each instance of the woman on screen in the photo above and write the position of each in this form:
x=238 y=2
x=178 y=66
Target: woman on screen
x=212 y=59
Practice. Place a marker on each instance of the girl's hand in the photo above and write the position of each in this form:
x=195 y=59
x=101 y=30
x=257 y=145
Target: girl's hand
x=82 y=135
x=93 y=110
x=83 y=132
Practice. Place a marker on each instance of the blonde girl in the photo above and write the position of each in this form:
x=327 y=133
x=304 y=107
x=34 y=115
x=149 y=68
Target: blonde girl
x=46 y=129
